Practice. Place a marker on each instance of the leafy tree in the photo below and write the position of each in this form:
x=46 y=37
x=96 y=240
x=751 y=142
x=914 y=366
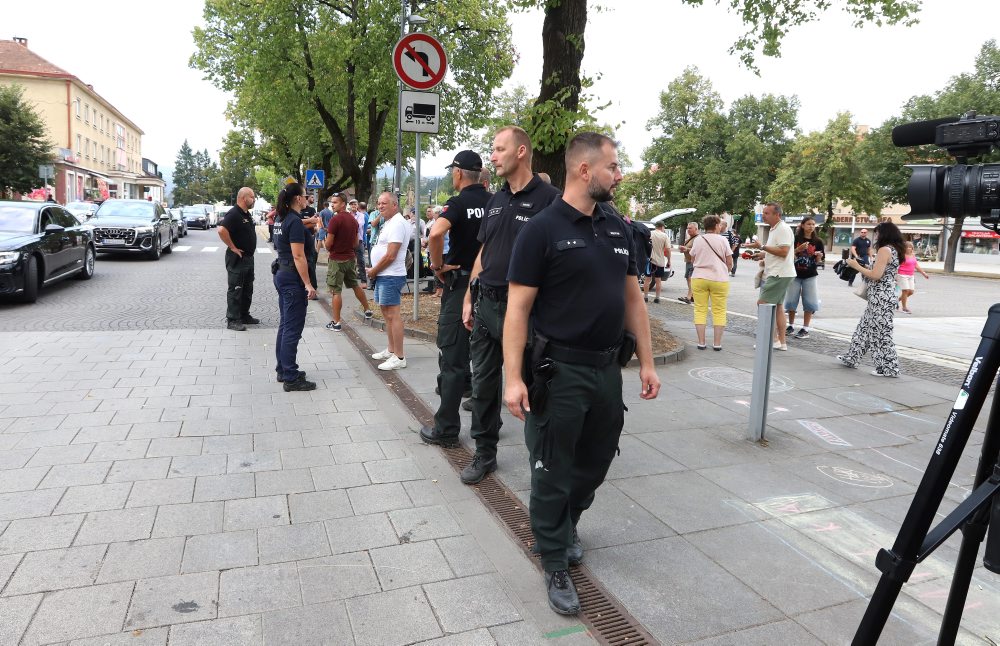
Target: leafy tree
x=23 y=142
x=184 y=175
x=314 y=77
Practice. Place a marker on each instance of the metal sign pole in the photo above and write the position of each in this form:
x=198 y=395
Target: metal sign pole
x=766 y=314
x=397 y=182
x=416 y=232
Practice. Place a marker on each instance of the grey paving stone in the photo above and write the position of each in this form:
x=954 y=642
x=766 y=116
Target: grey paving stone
x=197 y=465
x=150 y=558
x=392 y=618
x=204 y=427
x=253 y=461
x=173 y=446
x=360 y=533
x=393 y=449
x=292 y=542
x=520 y=633
x=223 y=444
x=220 y=551
x=423 y=493
x=258 y=589
x=313 y=625
x=614 y=518
x=56 y=569
x=376 y=498
x=319 y=505
x=360 y=452
x=119 y=450
x=147 y=637
x=224 y=487
x=401 y=566
x=150 y=427
x=149 y=493
x=251 y=513
x=188 y=519
x=116 y=526
x=78 y=613
x=18 y=479
x=8 y=563
x=15 y=615
x=101 y=497
x=276 y=441
x=372 y=433
x=182 y=598
x=15 y=458
x=142 y=469
x=781 y=632
x=479 y=637
x=33 y=438
x=473 y=602
x=836 y=625
x=337 y=577
x=31 y=534
x=287 y=481
x=234 y=631
x=393 y=470
x=71 y=454
x=424 y=523
x=325 y=436
x=340 y=476
x=69 y=475
x=313 y=456
x=465 y=556
x=102 y=434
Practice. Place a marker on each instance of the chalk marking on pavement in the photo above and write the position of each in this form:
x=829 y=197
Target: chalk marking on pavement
x=855 y=478
x=823 y=432
x=814 y=405
x=209 y=249
x=736 y=379
x=914 y=418
x=182 y=248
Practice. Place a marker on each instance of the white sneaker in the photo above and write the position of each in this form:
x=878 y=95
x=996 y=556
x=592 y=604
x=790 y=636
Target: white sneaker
x=780 y=346
x=383 y=355
x=392 y=363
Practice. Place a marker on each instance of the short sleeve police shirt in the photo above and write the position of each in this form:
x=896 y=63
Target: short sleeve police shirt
x=465 y=213
x=506 y=213
x=286 y=232
x=239 y=224
x=310 y=243
x=579 y=264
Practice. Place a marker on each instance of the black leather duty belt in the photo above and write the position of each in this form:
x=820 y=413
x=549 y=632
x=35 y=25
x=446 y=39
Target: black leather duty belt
x=592 y=358
x=496 y=294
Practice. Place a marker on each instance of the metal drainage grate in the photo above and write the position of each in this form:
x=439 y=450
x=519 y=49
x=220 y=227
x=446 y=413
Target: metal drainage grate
x=609 y=622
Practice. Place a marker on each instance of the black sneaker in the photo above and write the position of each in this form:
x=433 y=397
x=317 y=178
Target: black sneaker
x=789 y=329
x=281 y=379
x=802 y=334
x=432 y=435
x=478 y=469
x=299 y=384
x=574 y=553
x=249 y=320
x=334 y=325
x=562 y=593
x=467 y=405
x=238 y=326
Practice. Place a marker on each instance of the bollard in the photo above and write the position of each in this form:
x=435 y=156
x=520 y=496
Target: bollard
x=761 y=370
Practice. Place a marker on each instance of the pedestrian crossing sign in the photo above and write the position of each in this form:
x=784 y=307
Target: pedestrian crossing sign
x=315 y=179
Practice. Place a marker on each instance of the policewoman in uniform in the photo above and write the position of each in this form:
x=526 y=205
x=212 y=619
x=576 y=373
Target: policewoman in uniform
x=522 y=195
x=459 y=220
x=291 y=279
x=573 y=273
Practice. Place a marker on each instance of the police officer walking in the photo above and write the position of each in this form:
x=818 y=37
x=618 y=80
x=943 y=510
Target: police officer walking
x=521 y=197
x=238 y=233
x=573 y=271
x=460 y=221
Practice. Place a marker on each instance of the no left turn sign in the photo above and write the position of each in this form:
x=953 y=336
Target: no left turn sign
x=420 y=61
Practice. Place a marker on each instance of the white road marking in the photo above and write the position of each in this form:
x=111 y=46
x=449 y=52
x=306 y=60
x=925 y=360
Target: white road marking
x=263 y=250
x=182 y=248
x=209 y=249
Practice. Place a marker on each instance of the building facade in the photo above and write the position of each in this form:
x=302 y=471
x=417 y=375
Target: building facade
x=98 y=150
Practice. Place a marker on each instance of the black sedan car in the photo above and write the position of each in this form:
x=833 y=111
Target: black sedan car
x=40 y=243
x=132 y=226
x=196 y=216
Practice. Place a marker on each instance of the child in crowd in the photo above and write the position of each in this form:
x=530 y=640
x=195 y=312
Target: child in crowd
x=905 y=279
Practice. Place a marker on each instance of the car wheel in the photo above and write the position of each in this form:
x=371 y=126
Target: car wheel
x=31 y=281
x=169 y=248
x=155 y=252
x=89 y=260
x=176 y=238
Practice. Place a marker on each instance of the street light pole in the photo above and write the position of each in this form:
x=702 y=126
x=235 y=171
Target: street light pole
x=397 y=181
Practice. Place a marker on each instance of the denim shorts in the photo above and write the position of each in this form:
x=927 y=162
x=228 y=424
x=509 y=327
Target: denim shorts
x=389 y=289
x=806 y=289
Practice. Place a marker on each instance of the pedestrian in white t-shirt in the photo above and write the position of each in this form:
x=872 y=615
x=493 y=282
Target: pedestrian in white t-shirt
x=779 y=267
x=389 y=273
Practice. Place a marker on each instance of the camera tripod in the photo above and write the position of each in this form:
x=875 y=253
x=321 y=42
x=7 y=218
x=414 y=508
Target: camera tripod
x=914 y=542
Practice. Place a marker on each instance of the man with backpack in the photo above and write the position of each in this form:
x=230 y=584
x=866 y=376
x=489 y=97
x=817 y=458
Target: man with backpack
x=659 y=261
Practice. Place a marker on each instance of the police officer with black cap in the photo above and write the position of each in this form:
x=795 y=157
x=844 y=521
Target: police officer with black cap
x=573 y=273
x=521 y=197
x=459 y=220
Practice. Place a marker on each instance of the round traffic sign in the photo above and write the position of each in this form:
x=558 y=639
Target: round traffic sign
x=420 y=61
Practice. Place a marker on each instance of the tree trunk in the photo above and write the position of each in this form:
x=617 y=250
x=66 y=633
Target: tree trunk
x=562 y=56
x=953 y=240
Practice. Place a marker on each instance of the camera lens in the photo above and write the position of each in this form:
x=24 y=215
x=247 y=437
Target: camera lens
x=954 y=191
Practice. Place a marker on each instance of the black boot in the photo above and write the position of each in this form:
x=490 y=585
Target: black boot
x=298 y=384
x=478 y=469
x=574 y=553
x=562 y=593
x=432 y=435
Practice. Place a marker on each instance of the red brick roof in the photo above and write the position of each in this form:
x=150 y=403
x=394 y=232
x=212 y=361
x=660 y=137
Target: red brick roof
x=16 y=58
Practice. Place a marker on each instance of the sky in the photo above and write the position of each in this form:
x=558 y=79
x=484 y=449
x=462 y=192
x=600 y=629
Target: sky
x=637 y=48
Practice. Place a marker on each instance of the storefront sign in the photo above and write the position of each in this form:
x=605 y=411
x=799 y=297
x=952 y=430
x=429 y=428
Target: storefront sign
x=980 y=234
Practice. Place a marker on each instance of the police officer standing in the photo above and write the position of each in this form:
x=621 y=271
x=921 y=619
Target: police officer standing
x=239 y=234
x=522 y=195
x=460 y=221
x=312 y=224
x=573 y=271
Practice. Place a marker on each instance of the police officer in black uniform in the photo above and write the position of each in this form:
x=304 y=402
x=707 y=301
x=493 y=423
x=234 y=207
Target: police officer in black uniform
x=573 y=273
x=238 y=233
x=521 y=197
x=311 y=222
x=459 y=220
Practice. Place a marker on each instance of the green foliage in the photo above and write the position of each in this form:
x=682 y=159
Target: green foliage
x=196 y=178
x=23 y=143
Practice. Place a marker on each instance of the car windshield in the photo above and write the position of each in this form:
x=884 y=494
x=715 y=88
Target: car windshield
x=142 y=210
x=80 y=206
x=193 y=210
x=19 y=219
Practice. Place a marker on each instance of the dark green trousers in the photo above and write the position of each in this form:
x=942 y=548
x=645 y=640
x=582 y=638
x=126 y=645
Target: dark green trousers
x=240 y=280
x=571 y=444
x=486 y=346
x=453 y=357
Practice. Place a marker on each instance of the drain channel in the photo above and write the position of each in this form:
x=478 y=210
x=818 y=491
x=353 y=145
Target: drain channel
x=609 y=622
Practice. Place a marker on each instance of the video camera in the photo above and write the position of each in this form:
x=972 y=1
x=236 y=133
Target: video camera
x=960 y=190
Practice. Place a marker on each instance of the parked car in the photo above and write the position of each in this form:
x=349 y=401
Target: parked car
x=132 y=226
x=179 y=223
x=40 y=243
x=213 y=214
x=196 y=216
x=82 y=210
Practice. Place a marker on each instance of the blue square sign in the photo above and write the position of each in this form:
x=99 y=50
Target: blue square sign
x=315 y=179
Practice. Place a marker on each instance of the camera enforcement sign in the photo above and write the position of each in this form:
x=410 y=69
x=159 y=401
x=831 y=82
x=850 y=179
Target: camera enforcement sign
x=419 y=111
x=419 y=60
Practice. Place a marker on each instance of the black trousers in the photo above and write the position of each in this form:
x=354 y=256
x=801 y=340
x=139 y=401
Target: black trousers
x=312 y=270
x=240 y=280
x=453 y=357
x=486 y=345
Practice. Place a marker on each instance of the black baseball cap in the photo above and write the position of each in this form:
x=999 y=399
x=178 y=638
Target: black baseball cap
x=467 y=160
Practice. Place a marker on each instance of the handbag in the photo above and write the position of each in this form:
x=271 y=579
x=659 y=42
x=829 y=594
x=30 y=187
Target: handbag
x=758 y=278
x=862 y=289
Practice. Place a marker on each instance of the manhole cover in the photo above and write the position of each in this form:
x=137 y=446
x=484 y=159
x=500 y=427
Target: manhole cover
x=738 y=380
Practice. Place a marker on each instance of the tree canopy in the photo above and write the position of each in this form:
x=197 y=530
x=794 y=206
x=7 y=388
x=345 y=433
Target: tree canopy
x=24 y=145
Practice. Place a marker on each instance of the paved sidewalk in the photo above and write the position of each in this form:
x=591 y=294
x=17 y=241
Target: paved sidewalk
x=160 y=486
x=710 y=539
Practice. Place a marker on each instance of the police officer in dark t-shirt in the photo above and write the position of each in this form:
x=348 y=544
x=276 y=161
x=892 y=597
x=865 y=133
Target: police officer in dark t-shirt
x=460 y=221
x=312 y=222
x=572 y=272
x=861 y=249
x=238 y=233
x=522 y=196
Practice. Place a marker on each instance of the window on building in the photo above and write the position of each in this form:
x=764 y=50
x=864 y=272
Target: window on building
x=86 y=149
x=86 y=113
x=79 y=145
x=76 y=108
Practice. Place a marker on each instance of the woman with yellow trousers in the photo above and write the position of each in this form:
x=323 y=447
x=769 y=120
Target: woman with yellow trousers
x=712 y=260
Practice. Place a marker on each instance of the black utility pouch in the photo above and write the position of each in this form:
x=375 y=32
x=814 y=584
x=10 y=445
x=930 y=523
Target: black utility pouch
x=274 y=266
x=538 y=391
x=627 y=349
